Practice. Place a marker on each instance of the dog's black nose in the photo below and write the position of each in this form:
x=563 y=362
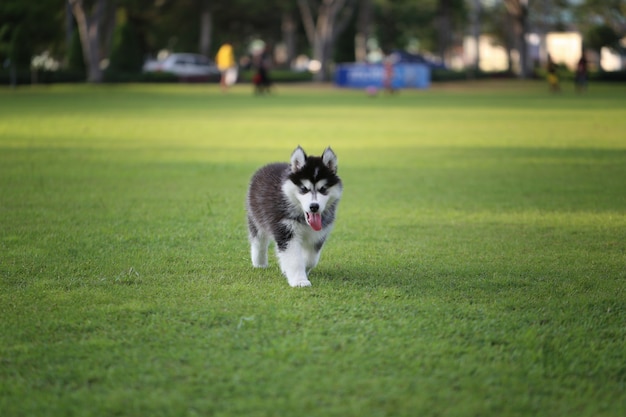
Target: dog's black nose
x=314 y=207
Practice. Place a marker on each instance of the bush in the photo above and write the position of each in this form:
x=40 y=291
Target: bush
x=158 y=77
x=21 y=77
x=111 y=76
x=567 y=75
x=62 y=76
x=125 y=61
x=75 y=58
x=438 y=75
x=609 y=76
x=280 y=76
x=43 y=77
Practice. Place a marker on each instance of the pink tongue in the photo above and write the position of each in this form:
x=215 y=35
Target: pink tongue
x=315 y=221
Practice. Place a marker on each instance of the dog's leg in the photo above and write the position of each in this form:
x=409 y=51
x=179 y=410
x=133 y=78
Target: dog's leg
x=259 y=243
x=313 y=255
x=293 y=264
x=258 y=250
x=312 y=259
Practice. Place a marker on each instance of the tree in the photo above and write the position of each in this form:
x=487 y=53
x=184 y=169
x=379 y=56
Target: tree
x=603 y=23
x=509 y=21
x=209 y=23
x=497 y=23
x=75 y=58
x=397 y=22
x=476 y=11
x=443 y=24
x=363 y=29
x=289 y=27
x=324 y=21
x=518 y=12
x=90 y=20
x=611 y=13
x=28 y=28
x=126 y=56
x=206 y=27
x=600 y=36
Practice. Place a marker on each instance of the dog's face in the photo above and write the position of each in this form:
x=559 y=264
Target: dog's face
x=313 y=184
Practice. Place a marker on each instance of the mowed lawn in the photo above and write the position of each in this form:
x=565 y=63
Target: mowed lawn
x=477 y=267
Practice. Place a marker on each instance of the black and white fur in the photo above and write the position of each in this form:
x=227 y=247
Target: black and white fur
x=284 y=203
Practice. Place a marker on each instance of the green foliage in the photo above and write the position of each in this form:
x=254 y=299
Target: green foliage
x=599 y=36
x=29 y=27
x=158 y=77
x=610 y=76
x=76 y=59
x=19 y=52
x=444 y=75
x=278 y=76
x=343 y=50
x=476 y=268
x=596 y=13
x=399 y=20
x=126 y=54
x=237 y=21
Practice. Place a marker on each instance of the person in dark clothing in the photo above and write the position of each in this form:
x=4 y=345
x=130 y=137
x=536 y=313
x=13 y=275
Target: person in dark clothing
x=581 y=74
x=261 y=78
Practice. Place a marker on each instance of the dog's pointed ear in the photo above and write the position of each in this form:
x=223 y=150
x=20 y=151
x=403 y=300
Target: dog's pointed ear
x=330 y=159
x=298 y=159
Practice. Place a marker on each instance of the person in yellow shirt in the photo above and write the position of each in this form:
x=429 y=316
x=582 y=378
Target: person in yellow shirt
x=553 y=76
x=225 y=60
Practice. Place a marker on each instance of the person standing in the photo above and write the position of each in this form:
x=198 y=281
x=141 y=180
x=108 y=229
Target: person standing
x=261 y=79
x=225 y=60
x=389 y=63
x=581 y=74
x=553 y=77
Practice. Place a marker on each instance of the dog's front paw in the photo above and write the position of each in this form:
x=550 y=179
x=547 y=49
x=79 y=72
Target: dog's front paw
x=302 y=283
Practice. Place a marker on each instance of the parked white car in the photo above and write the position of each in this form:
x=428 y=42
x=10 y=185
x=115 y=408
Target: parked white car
x=183 y=65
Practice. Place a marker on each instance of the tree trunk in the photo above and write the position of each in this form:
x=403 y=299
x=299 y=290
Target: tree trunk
x=323 y=31
x=518 y=10
x=523 y=47
x=206 y=27
x=323 y=37
x=444 y=29
x=69 y=31
x=476 y=14
x=89 y=26
x=289 y=35
x=363 y=30
x=509 y=41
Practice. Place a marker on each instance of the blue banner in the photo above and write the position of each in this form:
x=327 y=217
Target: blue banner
x=373 y=75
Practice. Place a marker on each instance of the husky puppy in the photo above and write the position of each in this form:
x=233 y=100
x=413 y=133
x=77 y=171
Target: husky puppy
x=293 y=204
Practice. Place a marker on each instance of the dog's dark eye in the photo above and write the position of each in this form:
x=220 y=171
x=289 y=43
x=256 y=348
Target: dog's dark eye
x=323 y=190
x=303 y=189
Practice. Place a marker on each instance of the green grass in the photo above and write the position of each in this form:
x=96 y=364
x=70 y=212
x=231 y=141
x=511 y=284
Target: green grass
x=477 y=268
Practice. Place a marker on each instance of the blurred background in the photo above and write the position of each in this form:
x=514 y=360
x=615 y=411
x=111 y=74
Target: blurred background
x=130 y=40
